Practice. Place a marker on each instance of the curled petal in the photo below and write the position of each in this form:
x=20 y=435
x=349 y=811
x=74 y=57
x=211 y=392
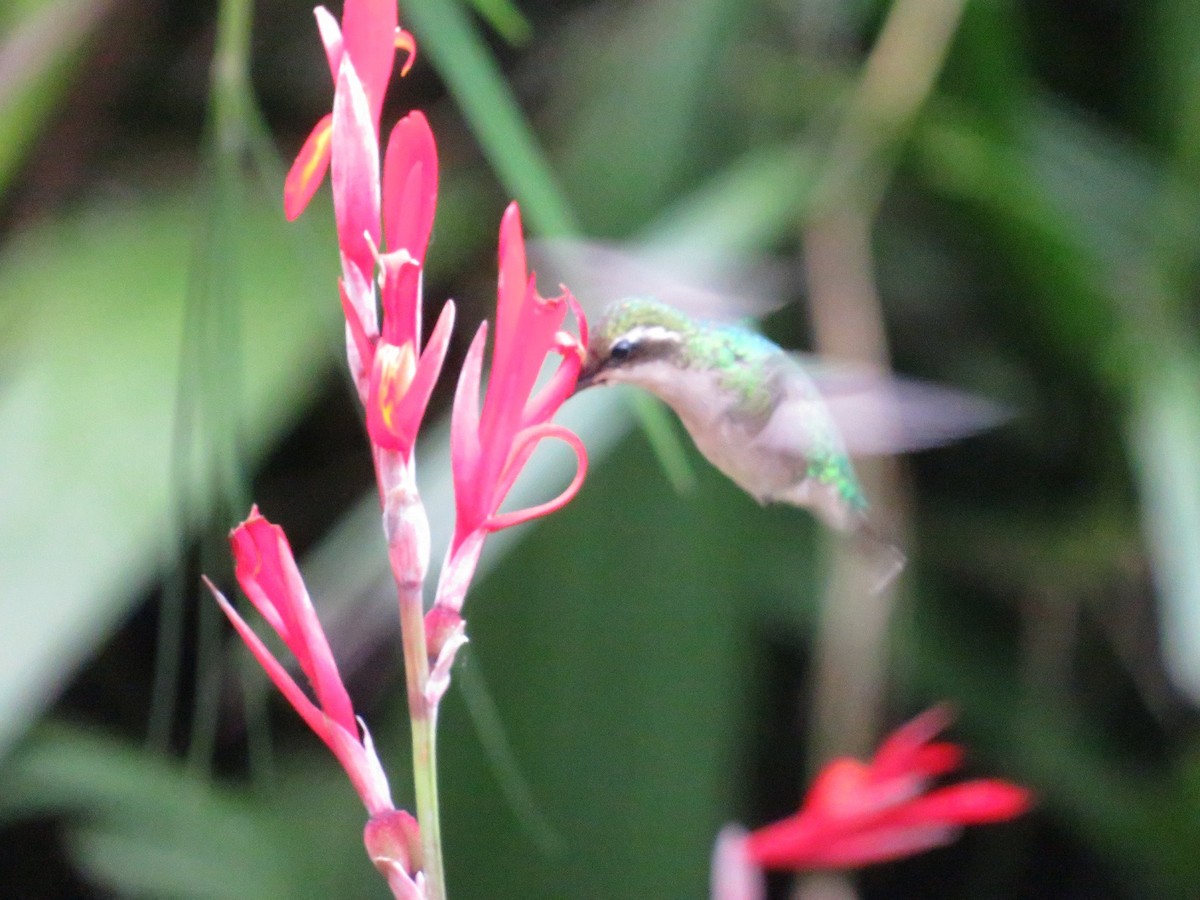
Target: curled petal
x=554 y=392
x=580 y=318
x=308 y=169
x=516 y=362
x=406 y=42
x=522 y=447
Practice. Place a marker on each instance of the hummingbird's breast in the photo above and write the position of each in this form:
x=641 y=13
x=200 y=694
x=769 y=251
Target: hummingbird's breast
x=725 y=425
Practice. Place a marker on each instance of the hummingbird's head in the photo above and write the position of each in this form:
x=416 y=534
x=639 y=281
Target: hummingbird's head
x=635 y=341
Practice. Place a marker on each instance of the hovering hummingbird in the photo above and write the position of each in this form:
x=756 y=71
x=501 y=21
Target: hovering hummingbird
x=756 y=412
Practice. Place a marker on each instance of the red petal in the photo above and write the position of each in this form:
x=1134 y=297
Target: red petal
x=465 y=447
x=970 y=803
x=277 y=673
x=838 y=789
x=410 y=185
x=391 y=378
x=790 y=843
x=355 y=164
x=580 y=318
x=543 y=405
x=267 y=572
x=900 y=752
x=511 y=285
x=368 y=34
x=401 y=298
x=517 y=360
x=364 y=771
x=879 y=845
x=308 y=170
x=412 y=407
x=331 y=37
x=937 y=759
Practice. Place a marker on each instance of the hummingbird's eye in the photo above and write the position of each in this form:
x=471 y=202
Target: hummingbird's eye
x=621 y=350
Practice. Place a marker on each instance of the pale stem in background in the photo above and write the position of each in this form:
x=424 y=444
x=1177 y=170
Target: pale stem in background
x=847 y=321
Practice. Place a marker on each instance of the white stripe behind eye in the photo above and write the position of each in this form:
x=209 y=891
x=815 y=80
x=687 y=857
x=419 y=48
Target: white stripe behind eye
x=651 y=334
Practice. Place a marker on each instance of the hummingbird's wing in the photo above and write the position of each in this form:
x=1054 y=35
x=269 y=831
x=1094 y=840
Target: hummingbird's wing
x=697 y=281
x=872 y=413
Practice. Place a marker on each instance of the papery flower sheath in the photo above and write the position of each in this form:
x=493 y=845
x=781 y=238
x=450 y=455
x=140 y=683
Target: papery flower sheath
x=857 y=813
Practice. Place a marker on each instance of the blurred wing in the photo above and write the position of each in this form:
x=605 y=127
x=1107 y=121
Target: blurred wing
x=695 y=281
x=878 y=414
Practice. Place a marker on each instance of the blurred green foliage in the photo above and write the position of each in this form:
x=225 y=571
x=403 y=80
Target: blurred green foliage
x=642 y=664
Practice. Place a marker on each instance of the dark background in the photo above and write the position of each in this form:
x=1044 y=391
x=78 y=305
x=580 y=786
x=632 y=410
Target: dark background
x=653 y=661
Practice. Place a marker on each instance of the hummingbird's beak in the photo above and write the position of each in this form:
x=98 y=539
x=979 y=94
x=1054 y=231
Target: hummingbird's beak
x=587 y=375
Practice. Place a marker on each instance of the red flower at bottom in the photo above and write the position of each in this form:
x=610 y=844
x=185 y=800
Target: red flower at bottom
x=856 y=813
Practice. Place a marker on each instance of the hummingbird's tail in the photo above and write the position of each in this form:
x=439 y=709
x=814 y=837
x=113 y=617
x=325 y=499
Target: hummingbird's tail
x=884 y=555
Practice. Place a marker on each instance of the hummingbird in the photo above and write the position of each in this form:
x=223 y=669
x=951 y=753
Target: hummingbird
x=757 y=412
x=750 y=408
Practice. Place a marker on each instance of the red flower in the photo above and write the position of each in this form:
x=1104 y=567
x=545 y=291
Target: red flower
x=267 y=573
x=488 y=451
x=857 y=814
x=370 y=37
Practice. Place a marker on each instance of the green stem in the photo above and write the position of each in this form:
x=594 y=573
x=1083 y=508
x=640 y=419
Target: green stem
x=406 y=526
x=424 y=740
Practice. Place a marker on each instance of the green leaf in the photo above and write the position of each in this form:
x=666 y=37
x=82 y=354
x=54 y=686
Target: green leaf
x=41 y=48
x=94 y=307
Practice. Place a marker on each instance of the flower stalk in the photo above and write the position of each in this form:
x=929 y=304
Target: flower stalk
x=384 y=208
x=406 y=528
